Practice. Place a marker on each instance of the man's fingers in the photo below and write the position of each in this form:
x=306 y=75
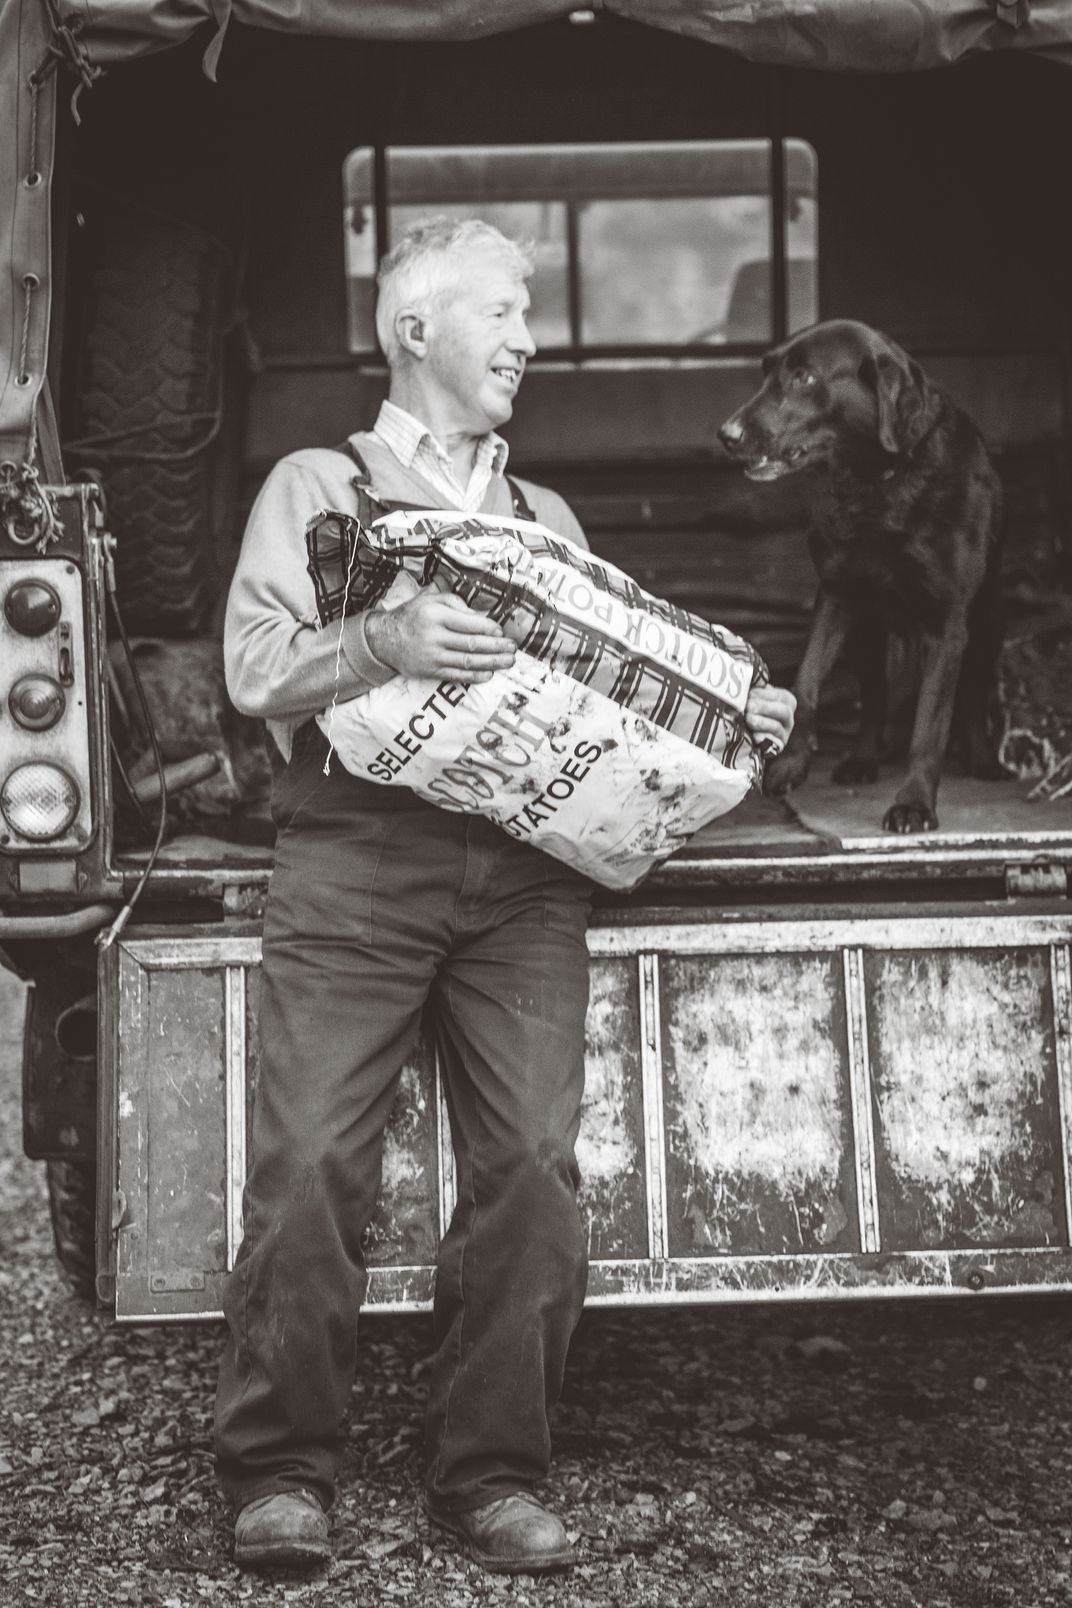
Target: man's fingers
x=458 y=616
x=480 y=644
x=771 y=701
x=769 y=715
x=476 y=626
x=500 y=660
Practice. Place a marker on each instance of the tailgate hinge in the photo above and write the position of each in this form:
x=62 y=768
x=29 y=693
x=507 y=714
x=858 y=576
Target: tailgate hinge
x=1036 y=881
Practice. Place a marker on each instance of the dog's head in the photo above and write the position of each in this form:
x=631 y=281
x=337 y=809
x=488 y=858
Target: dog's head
x=836 y=391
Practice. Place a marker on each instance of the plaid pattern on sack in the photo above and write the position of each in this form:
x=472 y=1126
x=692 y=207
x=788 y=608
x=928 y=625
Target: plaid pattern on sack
x=563 y=606
x=349 y=573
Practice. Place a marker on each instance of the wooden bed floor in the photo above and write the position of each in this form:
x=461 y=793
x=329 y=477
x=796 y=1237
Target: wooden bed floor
x=821 y=815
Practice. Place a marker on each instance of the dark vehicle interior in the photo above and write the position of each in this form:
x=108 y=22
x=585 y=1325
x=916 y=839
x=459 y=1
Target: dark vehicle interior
x=689 y=209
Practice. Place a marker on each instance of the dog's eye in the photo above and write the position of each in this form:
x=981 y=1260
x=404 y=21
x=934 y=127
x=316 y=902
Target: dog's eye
x=802 y=379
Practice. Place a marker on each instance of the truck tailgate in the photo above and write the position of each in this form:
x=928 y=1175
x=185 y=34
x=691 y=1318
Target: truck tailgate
x=807 y=1106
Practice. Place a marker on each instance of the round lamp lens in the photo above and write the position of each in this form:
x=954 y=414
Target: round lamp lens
x=39 y=802
x=32 y=607
x=36 y=702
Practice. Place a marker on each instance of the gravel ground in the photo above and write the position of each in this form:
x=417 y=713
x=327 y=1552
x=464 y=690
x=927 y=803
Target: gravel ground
x=793 y=1457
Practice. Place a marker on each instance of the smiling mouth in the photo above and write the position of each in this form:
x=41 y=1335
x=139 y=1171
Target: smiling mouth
x=771 y=468
x=511 y=376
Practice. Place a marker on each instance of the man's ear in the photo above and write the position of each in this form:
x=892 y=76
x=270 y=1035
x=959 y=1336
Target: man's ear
x=411 y=330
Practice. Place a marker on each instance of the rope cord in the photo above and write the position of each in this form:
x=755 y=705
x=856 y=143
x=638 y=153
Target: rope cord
x=33 y=177
x=30 y=283
x=107 y=938
x=65 y=47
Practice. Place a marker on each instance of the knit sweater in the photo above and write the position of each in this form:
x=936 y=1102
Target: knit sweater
x=279 y=664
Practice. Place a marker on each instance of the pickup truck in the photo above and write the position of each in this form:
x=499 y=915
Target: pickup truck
x=823 y=1061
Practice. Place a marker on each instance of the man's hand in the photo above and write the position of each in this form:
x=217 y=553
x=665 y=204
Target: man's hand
x=768 y=714
x=435 y=635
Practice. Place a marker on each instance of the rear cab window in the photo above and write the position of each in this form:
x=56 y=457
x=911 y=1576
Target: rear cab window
x=640 y=248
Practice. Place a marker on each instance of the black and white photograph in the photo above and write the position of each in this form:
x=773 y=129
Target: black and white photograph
x=536 y=803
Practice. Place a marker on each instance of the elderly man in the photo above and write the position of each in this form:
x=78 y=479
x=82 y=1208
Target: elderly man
x=381 y=905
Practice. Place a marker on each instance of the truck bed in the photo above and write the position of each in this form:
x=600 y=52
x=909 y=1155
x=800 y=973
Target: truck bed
x=821 y=817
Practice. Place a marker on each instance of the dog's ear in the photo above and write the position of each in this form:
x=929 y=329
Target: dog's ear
x=907 y=401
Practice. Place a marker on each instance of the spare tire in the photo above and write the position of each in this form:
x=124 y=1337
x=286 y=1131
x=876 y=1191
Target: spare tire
x=159 y=414
x=72 y=1202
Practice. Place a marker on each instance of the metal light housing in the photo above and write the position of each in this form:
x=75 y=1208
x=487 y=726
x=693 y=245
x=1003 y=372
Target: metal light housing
x=36 y=702
x=32 y=607
x=39 y=801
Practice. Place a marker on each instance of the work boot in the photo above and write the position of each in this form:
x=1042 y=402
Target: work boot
x=512 y=1535
x=287 y=1529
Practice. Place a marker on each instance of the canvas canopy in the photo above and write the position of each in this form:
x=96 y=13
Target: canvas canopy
x=884 y=35
x=87 y=36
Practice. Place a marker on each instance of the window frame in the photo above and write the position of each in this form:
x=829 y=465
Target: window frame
x=578 y=352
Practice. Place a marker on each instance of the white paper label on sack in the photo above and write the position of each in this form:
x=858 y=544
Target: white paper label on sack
x=608 y=785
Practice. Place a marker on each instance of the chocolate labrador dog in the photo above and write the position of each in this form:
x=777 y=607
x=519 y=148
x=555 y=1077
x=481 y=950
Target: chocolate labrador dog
x=905 y=534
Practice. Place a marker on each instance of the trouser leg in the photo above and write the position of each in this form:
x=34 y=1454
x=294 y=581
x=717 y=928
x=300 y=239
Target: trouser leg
x=510 y=1009
x=338 y=1015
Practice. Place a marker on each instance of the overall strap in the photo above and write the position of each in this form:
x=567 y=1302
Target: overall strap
x=348 y=450
x=521 y=507
x=368 y=506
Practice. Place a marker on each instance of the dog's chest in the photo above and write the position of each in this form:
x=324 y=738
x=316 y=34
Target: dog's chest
x=861 y=552
x=891 y=582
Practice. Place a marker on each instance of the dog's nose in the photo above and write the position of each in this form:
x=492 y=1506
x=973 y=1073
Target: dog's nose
x=731 y=434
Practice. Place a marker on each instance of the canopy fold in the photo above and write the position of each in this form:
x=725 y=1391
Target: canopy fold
x=876 y=35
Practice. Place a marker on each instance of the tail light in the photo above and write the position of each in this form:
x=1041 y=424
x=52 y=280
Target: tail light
x=32 y=607
x=39 y=802
x=46 y=792
x=37 y=702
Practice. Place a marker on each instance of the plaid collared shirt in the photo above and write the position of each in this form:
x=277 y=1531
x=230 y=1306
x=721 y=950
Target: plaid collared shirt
x=414 y=445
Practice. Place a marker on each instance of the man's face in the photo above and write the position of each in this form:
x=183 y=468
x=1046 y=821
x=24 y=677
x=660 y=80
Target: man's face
x=479 y=343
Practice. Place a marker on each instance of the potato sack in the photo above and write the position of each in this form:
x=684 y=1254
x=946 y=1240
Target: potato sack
x=616 y=734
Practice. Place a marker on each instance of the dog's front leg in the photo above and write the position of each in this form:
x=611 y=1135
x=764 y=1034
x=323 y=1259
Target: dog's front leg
x=829 y=629
x=868 y=648
x=913 y=810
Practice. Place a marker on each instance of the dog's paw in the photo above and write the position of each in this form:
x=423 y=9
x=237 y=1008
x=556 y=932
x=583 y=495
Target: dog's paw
x=785 y=771
x=909 y=818
x=853 y=770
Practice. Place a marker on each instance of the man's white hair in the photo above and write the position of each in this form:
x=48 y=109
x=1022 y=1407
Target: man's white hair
x=428 y=262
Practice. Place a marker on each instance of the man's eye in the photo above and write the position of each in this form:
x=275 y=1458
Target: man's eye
x=802 y=379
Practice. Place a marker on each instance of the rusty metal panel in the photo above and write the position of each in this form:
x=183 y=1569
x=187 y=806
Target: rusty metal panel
x=187 y=1063
x=936 y=930
x=759 y=1116
x=610 y=1149
x=890 y=1275
x=965 y=1084
x=171 y=1137
x=405 y=1229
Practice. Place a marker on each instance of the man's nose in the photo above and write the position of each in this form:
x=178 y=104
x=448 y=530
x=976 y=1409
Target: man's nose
x=520 y=339
x=732 y=433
